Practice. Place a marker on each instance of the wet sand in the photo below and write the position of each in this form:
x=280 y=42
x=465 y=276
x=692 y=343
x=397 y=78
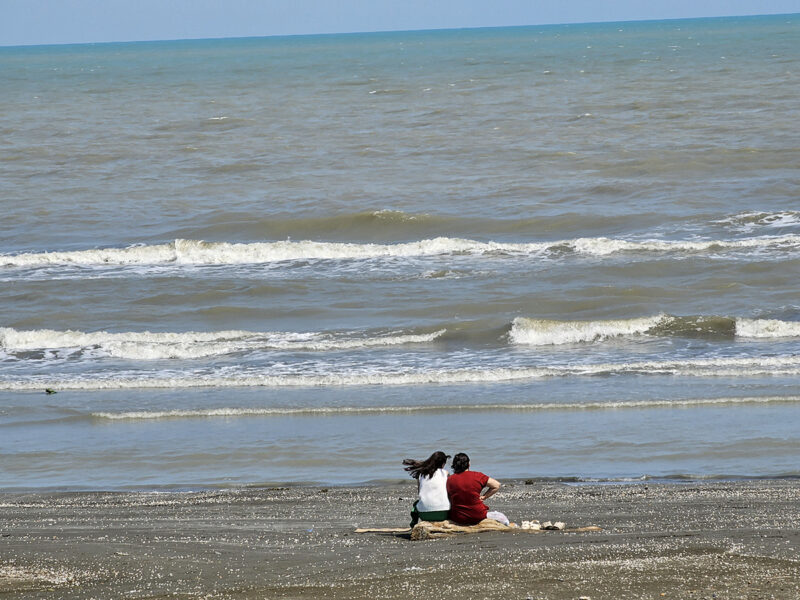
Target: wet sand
x=725 y=540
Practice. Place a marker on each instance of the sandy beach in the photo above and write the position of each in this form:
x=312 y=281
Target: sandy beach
x=694 y=540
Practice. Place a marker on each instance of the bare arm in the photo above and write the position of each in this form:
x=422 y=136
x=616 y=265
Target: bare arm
x=491 y=489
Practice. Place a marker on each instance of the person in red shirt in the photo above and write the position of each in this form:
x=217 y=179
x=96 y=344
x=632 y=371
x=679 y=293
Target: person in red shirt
x=465 y=489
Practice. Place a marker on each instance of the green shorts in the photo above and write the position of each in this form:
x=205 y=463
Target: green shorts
x=432 y=515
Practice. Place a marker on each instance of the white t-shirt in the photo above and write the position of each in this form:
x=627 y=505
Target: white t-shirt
x=433 y=492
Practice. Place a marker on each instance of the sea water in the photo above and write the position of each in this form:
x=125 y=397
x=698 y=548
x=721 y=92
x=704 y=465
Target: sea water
x=572 y=252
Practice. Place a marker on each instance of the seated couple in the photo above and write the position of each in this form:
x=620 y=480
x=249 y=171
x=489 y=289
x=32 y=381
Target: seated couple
x=458 y=497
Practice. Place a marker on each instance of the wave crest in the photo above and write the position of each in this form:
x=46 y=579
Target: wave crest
x=767 y=328
x=542 y=332
x=187 y=345
x=750 y=221
x=198 y=252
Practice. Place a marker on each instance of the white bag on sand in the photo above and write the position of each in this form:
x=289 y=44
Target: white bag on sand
x=497 y=516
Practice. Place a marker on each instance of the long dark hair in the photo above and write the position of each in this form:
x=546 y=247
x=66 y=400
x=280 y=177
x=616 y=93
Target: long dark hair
x=460 y=463
x=426 y=467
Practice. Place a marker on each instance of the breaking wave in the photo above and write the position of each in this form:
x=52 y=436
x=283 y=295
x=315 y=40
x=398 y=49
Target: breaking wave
x=767 y=328
x=542 y=332
x=147 y=345
x=196 y=252
x=749 y=221
x=153 y=346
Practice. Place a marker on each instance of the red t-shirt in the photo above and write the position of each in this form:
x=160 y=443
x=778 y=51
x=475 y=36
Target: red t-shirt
x=464 y=490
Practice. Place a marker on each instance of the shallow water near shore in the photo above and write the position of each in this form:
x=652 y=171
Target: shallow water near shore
x=569 y=251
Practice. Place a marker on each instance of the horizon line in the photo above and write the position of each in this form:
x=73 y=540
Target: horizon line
x=380 y=31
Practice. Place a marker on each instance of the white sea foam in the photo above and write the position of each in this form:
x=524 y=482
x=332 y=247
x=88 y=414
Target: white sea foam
x=195 y=252
x=217 y=253
x=604 y=246
x=767 y=328
x=187 y=345
x=701 y=367
x=148 y=345
x=541 y=332
x=749 y=221
x=231 y=377
x=446 y=408
x=248 y=379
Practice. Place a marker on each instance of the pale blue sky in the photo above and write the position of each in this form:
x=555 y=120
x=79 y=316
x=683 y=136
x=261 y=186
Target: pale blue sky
x=77 y=21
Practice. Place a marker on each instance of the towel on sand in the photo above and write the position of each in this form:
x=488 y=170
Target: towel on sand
x=435 y=529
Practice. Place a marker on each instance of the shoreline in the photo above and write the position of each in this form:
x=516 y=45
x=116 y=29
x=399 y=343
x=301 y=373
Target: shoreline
x=399 y=481
x=735 y=539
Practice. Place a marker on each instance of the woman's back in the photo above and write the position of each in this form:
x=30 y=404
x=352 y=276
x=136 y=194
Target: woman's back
x=433 y=492
x=464 y=490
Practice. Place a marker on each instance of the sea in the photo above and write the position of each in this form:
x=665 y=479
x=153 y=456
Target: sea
x=570 y=251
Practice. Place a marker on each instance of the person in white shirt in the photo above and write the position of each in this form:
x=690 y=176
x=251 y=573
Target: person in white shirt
x=433 y=503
